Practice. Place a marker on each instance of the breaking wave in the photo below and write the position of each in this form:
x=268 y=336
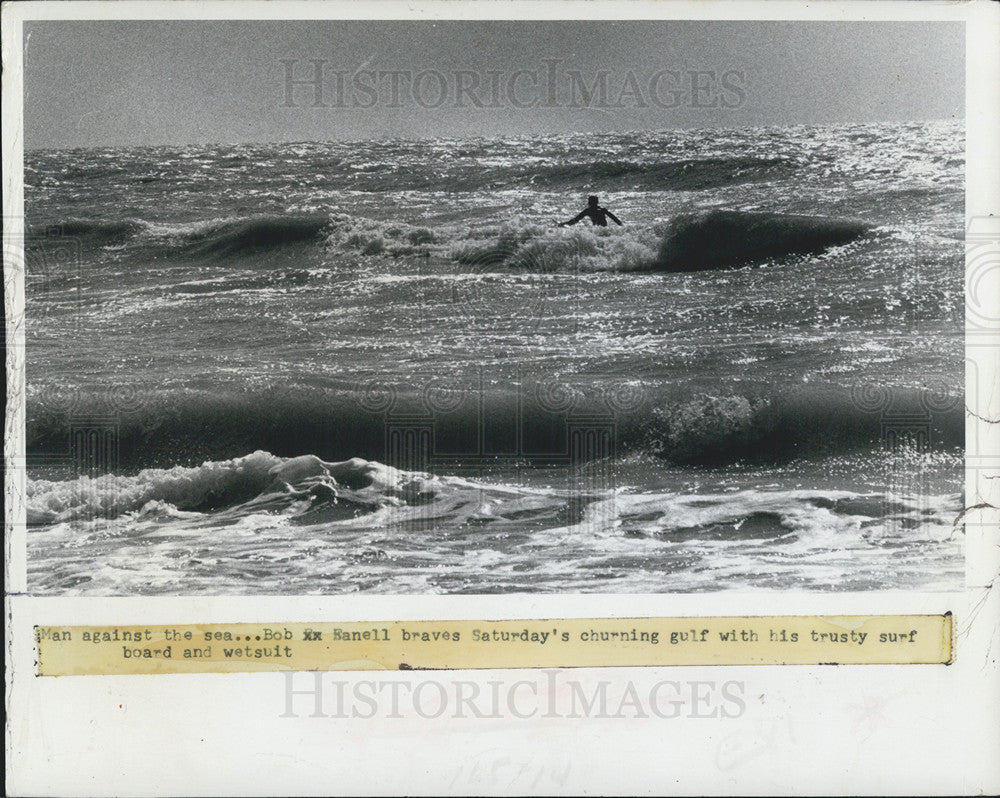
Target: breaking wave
x=689 y=242
x=721 y=239
x=242 y=236
x=696 y=430
x=221 y=238
x=258 y=481
x=358 y=493
x=718 y=430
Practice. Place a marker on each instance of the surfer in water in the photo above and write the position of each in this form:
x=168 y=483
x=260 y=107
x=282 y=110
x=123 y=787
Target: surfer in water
x=598 y=216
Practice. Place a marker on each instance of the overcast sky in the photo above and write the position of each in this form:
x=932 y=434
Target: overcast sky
x=160 y=82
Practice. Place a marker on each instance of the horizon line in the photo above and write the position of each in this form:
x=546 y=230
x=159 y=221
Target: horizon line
x=496 y=137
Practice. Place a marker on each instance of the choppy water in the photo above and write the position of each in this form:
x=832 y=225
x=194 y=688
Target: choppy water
x=556 y=411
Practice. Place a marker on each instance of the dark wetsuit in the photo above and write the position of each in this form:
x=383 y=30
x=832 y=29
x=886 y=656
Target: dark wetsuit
x=596 y=214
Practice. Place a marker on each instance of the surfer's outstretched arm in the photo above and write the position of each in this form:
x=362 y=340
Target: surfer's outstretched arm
x=574 y=220
x=614 y=218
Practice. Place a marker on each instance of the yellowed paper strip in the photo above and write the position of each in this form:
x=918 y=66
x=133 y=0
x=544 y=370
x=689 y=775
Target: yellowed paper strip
x=457 y=645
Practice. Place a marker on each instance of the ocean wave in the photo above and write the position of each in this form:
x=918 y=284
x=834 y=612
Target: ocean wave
x=95 y=232
x=682 y=175
x=304 y=488
x=722 y=239
x=256 y=482
x=719 y=430
x=215 y=238
x=374 y=237
x=518 y=244
x=609 y=175
x=781 y=516
x=688 y=242
x=298 y=526
x=694 y=430
x=259 y=517
x=704 y=241
x=534 y=248
x=242 y=236
x=110 y=495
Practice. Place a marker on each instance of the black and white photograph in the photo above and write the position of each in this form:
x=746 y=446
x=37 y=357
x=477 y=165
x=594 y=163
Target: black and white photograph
x=493 y=306
x=448 y=398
